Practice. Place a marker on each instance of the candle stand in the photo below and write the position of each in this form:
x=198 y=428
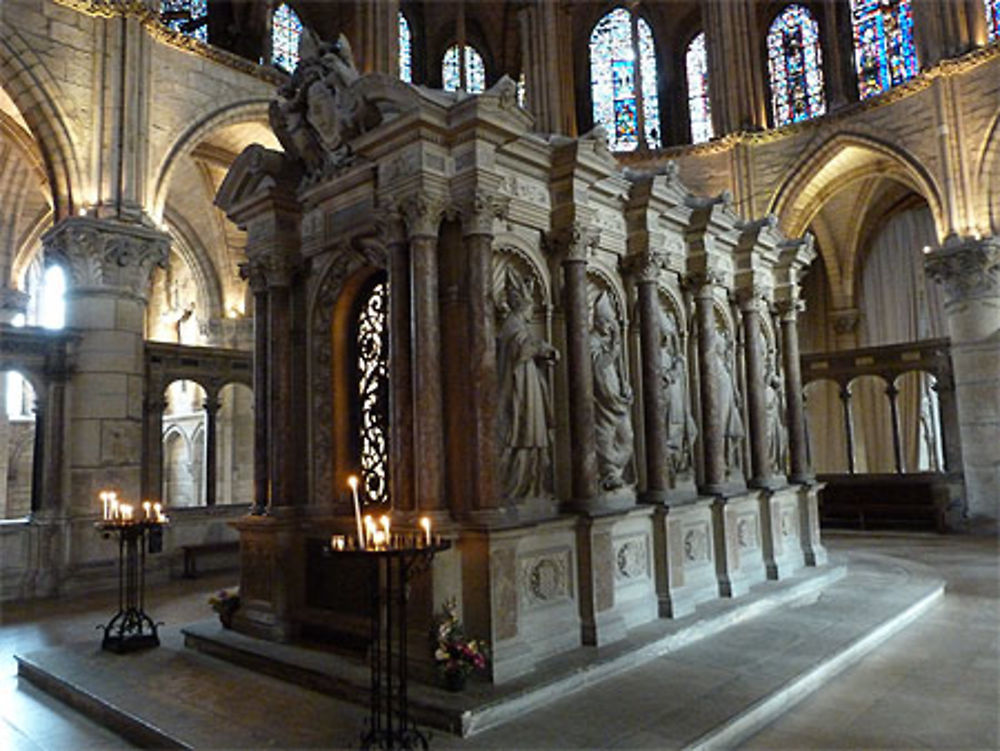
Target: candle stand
x=388 y=726
x=131 y=628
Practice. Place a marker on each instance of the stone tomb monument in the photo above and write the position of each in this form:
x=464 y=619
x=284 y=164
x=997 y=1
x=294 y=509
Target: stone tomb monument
x=586 y=377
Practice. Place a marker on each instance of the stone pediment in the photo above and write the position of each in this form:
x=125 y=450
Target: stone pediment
x=257 y=172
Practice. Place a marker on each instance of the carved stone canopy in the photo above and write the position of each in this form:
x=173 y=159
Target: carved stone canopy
x=105 y=253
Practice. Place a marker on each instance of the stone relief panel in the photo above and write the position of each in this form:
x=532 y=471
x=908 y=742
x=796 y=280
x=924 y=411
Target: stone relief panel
x=747 y=532
x=525 y=360
x=546 y=578
x=788 y=525
x=696 y=542
x=632 y=558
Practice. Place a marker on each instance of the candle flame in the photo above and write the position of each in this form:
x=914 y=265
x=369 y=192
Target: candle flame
x=353 y=482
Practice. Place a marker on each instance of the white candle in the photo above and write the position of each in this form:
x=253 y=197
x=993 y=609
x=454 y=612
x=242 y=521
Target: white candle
x=385 y=525
x=426 y=524
x=353 y=482
x=114 y=506
x=104 y=502
x=148 y=508
x=369 y=530
x=378 y=538
x=337 y=542
x=126 y=510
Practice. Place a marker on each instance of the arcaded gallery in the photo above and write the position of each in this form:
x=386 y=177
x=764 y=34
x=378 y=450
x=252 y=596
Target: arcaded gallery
x=522 y=374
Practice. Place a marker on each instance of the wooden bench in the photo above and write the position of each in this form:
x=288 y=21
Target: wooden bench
x=191 y=553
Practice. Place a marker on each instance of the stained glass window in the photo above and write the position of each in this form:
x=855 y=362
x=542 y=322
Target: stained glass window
x=993 y=19
x=884 y=52
x=286 y=28
x=616 y=42
x=796 y=66
x=522 y=91
x=699 y=109
x=405 y=50
x=189 y=17
x=475 y=70
x=373 y=394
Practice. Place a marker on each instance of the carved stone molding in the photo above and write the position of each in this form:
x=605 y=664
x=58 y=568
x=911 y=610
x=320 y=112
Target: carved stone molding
x=103 y=253
x=968 y=269
x=479 y=211
x=575 y=242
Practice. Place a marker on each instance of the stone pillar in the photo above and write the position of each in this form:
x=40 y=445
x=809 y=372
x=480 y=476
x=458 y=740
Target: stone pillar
x=548 y=63
x=795 y=408
x=152 y=485
x=575 y=243
x=481 y=411
x=969 y=270
x=109 y=265
x=253 y=273
x=281 y=425
x=712 y=429
x=737 y=89
x=750 y=303
x=211 y=407
x=423 y=219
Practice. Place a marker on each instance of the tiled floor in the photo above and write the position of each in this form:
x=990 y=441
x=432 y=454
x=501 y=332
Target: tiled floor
x=935 y=685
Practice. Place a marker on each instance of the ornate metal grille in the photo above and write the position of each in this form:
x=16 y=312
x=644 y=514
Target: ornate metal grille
x=373 y=393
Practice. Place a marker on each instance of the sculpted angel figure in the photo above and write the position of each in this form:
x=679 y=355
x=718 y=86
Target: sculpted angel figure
x=525 y=415
x=612 y=397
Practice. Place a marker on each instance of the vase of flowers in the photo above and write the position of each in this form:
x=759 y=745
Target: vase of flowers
x=225 y=602
x=455 y=655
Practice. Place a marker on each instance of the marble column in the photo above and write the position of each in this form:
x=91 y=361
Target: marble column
x=795 y=408
x=109 y=265
x=575 y=243
x=969 y=271
x=712 y=429
x=261 y=487
x=481 y=411
x=281 y=424
x=423 y=219
x=211 y=407
x=750 y=303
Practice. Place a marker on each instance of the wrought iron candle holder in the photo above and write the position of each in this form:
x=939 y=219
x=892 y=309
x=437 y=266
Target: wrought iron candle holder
x=131 y=628
x=389 y=726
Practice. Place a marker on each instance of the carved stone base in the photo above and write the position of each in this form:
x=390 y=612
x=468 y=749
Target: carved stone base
x=519 y=590
x=739 y=546
x=782 y=527
x=685 y=557
x=812 y=547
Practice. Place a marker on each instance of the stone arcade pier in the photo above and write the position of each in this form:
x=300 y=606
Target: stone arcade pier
x=591 y=384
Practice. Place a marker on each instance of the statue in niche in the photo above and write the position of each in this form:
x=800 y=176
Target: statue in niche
x=525 y=412
x=733 y=431
x=612 y=397
x=773 y=410
x=681 y=427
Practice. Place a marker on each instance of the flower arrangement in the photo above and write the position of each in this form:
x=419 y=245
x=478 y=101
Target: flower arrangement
x=455 y=655
x=226 y=602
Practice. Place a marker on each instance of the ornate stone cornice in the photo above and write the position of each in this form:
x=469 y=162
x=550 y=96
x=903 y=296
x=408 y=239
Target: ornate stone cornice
x=104 y=253
x=479 y=211
x=968 y=269
x=575 y=242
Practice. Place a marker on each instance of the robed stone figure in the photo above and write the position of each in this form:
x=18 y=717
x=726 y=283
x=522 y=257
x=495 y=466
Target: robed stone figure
x=612 y=398
x=680 y=424
x=523 y=359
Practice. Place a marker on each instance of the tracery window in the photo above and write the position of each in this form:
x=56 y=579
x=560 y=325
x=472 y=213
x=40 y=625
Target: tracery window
x=796 y=67
x=699 y=108
x=189 y=17
x=286 y=30
x=372 y=343
x=884 y=51
x=624 y=94
x=475 y=70
x=992 y=19
x=405 y=50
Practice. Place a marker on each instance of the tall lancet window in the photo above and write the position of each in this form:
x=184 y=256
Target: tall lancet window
x=189 y=17
x=475 y=70
x=405 y=50
x=372 y=342
x=884 y=51
x=796 y=67
x=699 y=109
x=992 y=19
x=286 y=30
x=623 y=80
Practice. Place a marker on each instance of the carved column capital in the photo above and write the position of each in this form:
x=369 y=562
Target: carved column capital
x=479 y=211
x=422 y=214
x=702 y=283
x=647 y=266
x=752 y=298
x=272 y=268
x=100 y=253
x=845 y=321
x=968 y=269
x=788 y=310
x=575 y=242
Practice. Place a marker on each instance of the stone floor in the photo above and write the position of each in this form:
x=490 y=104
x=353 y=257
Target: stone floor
x=934 y=685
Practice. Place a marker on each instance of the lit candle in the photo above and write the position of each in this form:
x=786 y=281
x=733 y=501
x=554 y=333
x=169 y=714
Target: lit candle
x=148 y=508
x=337 y=542
x=104 y=502
x=426 y=524
x=353 y=482
x=385 y=525
x=126 y=510
x=114 y=506
x=378 y=538
x=157 y=509
x=369 y=530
